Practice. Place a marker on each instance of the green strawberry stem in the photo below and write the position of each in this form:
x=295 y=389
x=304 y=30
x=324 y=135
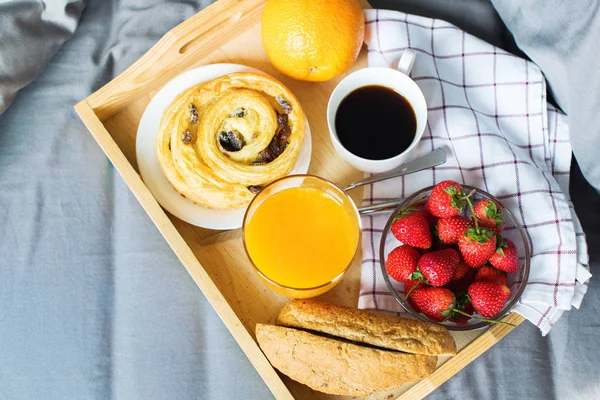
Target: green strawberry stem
x=418 y=275
x=467 y=198
x=500 y=243
x=493 y=321
x=410 y=291
x=471 y=193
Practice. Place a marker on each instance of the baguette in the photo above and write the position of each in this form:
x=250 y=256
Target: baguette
x=373 y=328
x=338 y=367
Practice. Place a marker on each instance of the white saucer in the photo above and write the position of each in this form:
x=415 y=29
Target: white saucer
x=149 y=166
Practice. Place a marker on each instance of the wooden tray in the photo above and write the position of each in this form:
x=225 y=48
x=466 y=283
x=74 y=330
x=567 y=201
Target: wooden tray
x=229 y=32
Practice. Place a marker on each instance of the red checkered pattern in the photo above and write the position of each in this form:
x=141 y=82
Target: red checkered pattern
x=487 y=108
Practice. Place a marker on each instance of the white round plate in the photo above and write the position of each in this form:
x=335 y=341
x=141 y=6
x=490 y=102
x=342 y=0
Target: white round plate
x=149 y=166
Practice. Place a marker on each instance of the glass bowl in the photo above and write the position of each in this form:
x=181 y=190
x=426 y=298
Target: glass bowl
x=513 y=231
x=332 y=274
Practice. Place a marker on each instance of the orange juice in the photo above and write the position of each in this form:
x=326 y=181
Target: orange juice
x=303 y=237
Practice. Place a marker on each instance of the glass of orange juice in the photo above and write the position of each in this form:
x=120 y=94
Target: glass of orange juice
x=301 y=233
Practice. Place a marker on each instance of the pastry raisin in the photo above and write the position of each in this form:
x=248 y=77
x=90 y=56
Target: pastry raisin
x=193 y=114
x=275 y=147
x=284 y=133
x=282 y=120
x=255 y=188
x=231 y=141
x=266 y=156
x=186 y=138
x=239 y=112
x=285 y=106
x=283 y=144
x=283 y=130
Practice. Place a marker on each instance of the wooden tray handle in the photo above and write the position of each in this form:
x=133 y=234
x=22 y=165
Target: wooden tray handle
x=215 y=29
x=179 y=49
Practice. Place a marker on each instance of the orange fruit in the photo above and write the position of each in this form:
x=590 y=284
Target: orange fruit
x=313 y=40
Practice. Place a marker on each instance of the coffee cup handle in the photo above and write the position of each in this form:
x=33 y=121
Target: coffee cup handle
x=406 y=61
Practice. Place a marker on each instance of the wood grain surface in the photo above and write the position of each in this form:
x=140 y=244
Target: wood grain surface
x=229 y=32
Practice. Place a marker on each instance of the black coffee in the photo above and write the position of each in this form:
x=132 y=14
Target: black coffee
x=375 y=122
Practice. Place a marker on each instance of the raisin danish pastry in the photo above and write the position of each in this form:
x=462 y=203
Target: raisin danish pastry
x=219 y=142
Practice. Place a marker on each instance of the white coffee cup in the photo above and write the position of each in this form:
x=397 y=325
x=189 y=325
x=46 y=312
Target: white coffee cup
x=395 y=79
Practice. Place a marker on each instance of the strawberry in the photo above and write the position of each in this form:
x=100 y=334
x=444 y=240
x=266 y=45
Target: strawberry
x=477 y=245
x=451 y=229
x=461 y=270
x=506 y=257
x=435 y=302
x=409 y=290
x=446 y=200
x=401 y=262
x=487 y=273
x=488 y=298
x=490 y=215
x=411 y=228
x=437 y=267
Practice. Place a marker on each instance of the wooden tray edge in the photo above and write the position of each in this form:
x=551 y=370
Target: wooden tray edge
x=183 y=251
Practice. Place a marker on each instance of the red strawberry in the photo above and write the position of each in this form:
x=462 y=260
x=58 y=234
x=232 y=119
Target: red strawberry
x=401 y=262
x=488 y=298
x=437 y=267
x=490 y=214
x=451 y=229
x=408 y=291
x=477 y=245
x=435 y=302
x=487 y=273
x=446 y=200
x=411 y=228
x=506 y=257
x=461 y=270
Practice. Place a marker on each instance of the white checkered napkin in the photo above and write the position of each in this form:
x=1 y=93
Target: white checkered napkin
x=488 y=110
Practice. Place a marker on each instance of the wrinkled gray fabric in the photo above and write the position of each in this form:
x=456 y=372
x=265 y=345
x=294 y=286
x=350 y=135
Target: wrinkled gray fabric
x=30 y=33
x=477 y=17
x=93 y=303
x=562 y=38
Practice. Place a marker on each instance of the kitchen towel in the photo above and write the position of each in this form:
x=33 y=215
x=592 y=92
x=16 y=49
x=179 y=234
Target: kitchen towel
x=488 y=109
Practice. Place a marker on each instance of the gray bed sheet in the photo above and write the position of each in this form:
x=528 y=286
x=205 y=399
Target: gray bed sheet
x=94 y=304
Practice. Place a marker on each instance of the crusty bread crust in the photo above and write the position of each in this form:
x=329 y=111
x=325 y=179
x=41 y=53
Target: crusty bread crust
x=338 y=367
x=374 y=328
